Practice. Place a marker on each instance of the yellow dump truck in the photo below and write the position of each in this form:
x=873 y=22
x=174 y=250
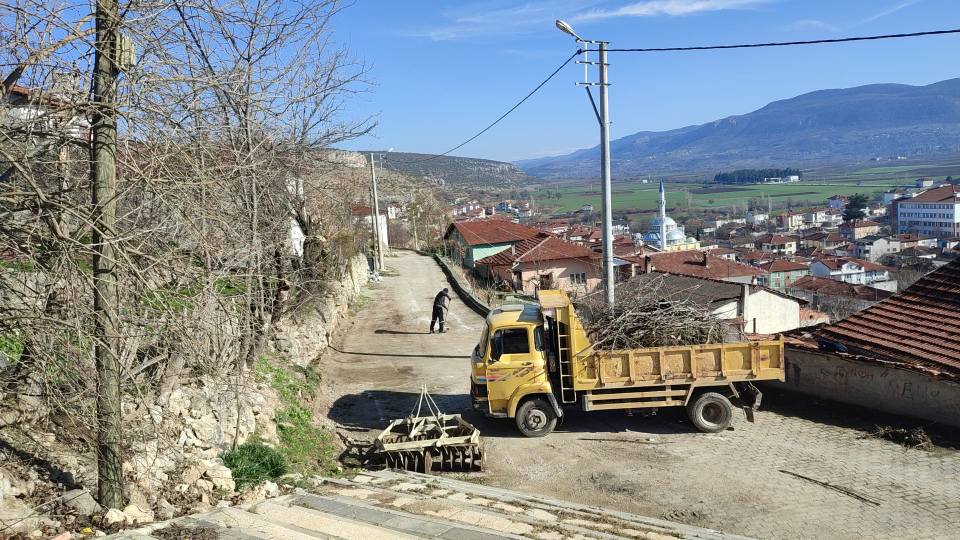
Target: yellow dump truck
x=535 y=360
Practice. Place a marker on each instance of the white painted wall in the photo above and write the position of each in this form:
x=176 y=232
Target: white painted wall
x=769 y=313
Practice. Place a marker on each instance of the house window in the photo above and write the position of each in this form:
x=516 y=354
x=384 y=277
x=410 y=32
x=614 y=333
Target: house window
x=578 y=278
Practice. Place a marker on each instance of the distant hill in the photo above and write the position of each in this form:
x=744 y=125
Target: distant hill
x=454 y=170
x=832 y=127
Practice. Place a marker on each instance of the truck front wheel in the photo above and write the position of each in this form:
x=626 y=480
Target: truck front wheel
x=535 y=418
x=710 y=412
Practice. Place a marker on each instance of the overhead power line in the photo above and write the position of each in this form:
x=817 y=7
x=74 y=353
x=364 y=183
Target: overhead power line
x=789 y=43
x=502 y=116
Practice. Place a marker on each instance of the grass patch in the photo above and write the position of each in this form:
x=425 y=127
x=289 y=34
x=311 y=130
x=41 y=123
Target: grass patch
x=11 y=346
x=358 y=303
x=170 y=300
x=306 y=448
x=229 y=286
x=254 y=462
x=19 y=265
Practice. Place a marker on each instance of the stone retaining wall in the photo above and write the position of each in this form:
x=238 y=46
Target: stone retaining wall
x=464 y=290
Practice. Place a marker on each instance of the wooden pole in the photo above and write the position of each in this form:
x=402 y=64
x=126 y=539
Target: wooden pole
x=103 y=175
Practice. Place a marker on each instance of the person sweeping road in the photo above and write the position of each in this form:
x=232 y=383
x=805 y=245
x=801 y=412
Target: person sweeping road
x=441 y=303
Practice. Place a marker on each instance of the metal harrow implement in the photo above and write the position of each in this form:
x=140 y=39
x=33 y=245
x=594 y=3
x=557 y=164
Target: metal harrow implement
x=430 y=442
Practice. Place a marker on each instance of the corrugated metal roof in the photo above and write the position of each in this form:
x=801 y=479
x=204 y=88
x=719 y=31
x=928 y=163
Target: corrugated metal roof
x=921 y=325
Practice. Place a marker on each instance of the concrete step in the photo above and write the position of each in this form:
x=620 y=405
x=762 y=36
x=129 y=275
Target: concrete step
x=505 y=515
x=336 y=526
x=399 y=505
x=541 y=512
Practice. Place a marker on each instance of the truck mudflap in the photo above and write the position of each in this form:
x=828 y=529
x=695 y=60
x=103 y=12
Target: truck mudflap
x=556 y=406
x=747 y=397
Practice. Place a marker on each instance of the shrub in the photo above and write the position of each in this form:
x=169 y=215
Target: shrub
x=254 y=462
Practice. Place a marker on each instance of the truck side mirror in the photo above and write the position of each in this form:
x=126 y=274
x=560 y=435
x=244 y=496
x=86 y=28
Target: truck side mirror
x=496 y=347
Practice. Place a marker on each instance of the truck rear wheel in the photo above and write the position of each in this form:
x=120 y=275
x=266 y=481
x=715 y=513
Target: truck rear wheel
x=710 y=412
x=536 y=418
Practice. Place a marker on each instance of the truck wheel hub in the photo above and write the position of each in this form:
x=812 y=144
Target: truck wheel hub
x=713 y=413
x=536 y=419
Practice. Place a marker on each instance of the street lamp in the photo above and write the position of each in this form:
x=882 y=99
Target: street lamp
x=603 y=117
x=567 y=29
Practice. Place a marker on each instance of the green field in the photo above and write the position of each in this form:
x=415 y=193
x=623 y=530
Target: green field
x=644 y=196
x=816 y=187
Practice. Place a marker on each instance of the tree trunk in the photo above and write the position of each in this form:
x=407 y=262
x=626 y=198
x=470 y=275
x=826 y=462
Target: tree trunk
x=103 y=172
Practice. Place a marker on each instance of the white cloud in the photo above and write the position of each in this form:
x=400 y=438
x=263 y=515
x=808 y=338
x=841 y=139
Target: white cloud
x=653 y=8
x=889 y=11
x=499 y=18
x=806 y=24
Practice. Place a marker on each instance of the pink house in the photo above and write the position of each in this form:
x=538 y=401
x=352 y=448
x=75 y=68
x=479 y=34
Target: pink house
x=546 y=263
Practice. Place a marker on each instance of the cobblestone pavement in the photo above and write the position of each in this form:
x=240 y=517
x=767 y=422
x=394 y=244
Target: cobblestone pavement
x=740 y=481
x=660 y=466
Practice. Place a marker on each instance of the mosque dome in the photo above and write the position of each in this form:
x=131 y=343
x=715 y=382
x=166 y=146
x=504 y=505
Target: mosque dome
x=655 y=223
x=676 y=236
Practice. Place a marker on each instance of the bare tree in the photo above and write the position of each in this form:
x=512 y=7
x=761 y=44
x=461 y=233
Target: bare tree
x=178 y=261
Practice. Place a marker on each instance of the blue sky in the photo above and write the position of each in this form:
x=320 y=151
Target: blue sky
x=443 y=70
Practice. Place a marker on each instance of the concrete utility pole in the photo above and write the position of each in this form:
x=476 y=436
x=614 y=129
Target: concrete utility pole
x=603 y=117
x=376 y=214
x=605 y=174
x=103 y=177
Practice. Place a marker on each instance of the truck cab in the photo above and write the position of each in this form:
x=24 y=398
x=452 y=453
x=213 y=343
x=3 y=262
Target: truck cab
x=511 y=362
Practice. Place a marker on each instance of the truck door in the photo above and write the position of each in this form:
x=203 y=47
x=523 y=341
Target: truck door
x=511 y=364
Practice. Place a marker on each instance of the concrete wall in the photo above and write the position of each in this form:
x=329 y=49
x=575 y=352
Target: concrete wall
x=769 y=313
x=875 y=386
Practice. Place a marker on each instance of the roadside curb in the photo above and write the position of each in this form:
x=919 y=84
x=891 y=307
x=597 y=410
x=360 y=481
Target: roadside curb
x=465 y=292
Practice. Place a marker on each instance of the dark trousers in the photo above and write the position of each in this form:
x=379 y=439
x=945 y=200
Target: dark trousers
x=438 y=315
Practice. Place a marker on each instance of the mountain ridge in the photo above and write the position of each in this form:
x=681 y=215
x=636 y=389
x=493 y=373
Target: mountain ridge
x=823 y=127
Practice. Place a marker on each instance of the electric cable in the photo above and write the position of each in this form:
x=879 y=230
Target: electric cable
x=502 y=116
x=790 y=43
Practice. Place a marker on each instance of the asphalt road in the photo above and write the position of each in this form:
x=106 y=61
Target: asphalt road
x=805 y=469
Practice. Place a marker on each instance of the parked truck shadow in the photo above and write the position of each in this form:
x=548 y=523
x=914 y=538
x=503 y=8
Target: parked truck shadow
x=779 y=399
x=374 y=409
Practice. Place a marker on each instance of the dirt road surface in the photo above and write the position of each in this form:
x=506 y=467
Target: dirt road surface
x=805 y=470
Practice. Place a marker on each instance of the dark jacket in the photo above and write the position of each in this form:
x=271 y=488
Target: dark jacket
x=442 y=301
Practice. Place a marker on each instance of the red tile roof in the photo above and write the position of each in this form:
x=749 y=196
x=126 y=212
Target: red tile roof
x=835 y=263
x=781 y=265
x=690 y=263
x=824 y=236
x=775 y=239
x=541 y=248
x=477 y=233
x=360 y=210
x=833 y=287
x=948 y=193
x=920 y=326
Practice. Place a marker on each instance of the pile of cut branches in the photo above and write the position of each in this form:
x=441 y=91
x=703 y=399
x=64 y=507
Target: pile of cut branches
x=648 y=315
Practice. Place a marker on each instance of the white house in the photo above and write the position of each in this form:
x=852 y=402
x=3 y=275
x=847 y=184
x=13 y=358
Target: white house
x=777 y=243
x=850 y=270
x=756 y=218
